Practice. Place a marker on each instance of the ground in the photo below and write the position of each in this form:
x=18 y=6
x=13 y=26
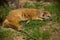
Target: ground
x=39 y=30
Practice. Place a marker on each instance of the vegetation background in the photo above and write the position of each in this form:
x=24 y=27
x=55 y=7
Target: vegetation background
x=39 y=30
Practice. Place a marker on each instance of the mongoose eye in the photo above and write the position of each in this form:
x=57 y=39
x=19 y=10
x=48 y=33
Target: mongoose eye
x=44 y=13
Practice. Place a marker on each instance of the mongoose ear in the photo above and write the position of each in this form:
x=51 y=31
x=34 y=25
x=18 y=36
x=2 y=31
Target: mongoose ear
x=45 y=13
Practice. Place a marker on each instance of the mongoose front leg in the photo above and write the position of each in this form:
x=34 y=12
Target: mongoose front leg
x=37 y=18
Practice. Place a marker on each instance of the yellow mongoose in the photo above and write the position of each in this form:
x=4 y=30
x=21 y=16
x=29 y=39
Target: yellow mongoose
x=17 y=15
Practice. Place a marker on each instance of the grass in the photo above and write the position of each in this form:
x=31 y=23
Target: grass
x=34 y=5
x=4 y=11
x=45 y=35
x=33 y=26
x=7 y=34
